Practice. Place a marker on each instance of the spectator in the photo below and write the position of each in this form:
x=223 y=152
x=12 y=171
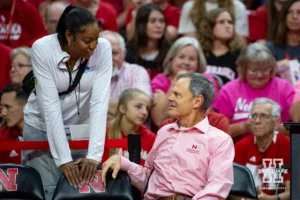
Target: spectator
x=53 y=111
x=295 y=114
x=286 y=44
x=148 y=46
x=265 y=150
x=256 y=70
x=5 y=65
x=171 y=13
x=132 y=112
x=266 y=21
x=193 y=12
x=186 y=152
x=13 y=100
x=104 y=12
x=21 y=64
x=26 y=24
x=124 y=75
x=52 y=14
x=219 y=44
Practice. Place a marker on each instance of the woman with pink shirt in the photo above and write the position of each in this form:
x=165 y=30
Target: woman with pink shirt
x=256 y=70
x=185 y=55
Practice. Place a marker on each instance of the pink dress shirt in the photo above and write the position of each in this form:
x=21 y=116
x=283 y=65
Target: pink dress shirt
x=194 y=161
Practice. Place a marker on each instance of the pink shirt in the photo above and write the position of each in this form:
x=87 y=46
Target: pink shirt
x=194 y=161
x=236 y=98
x=297 y=92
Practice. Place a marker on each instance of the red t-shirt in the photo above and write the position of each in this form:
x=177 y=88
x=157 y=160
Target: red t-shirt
x=4 y=66
x=26 y=27
x=258 y=24
x=147 y=141
x=108 y=17
x=172 y=15
x=10 y=134
x=215 y=119
x=247 y=154
x=117 y=4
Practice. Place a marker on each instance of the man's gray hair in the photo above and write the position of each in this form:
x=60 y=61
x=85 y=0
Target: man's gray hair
x=115 y=36
x=26 y=51
x=276 y=109
x=200 y=85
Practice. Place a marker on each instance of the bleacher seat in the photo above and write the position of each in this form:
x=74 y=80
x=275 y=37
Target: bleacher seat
x=116 y=189
x=243 y=185
x=20 y=182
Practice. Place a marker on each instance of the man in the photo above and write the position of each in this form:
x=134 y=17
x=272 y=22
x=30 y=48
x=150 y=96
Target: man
x=13 y=100
x=124 y=75
x=190 y=159
x=52 y=15
x=266 y=151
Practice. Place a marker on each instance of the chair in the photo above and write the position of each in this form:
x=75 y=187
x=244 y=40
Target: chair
x=243 y=185
x=20 y=182
x=116 y=189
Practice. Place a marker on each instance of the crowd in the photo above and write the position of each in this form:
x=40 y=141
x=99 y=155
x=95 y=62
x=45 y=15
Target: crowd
x=218 y=75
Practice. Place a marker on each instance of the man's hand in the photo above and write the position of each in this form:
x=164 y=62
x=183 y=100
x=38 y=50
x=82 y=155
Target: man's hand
x=114 y=162
x=88 y=168
x=261 y=195
x=71 y=171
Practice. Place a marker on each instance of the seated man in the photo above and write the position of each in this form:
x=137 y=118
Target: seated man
x=52 y=15
x=13 y=100
x=266 y=150
x=189 y=159
x=124 y=75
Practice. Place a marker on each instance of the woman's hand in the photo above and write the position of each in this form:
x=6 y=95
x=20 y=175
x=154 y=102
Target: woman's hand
x=114 y=162
x=71 y=171
x=88 y=168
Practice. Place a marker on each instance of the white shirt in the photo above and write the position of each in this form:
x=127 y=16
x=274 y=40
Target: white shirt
x=241 y=17
x=52 y=113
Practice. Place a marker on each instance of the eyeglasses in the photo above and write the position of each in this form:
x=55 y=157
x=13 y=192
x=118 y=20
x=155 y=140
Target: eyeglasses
x=255 y=71
x=19 y=65
x=262 y=117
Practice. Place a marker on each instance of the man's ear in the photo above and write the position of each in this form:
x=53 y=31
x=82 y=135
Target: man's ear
x=277 y=123
x=122 y=109
x=198 y=101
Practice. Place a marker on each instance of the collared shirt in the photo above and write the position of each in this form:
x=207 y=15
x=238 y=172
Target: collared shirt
x=129 y=76
x=194 y=161
x=50 y=112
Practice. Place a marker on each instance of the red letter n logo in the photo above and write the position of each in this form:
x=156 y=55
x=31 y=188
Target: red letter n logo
x=97 y=185
x=9 y=181
x=194 y=146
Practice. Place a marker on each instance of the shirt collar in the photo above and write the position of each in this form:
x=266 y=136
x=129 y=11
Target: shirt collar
x=274 y=137
x=117 y=72
x=201 y=126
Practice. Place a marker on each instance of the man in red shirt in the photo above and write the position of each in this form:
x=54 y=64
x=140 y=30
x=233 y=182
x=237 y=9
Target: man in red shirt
x=25 y=22
x=267 y=152
x=13 y=100
x=5 y=65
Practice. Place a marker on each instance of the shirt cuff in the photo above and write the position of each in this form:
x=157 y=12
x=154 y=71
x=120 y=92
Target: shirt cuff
x=125 y=164
x=63 y=161
x=96 y=158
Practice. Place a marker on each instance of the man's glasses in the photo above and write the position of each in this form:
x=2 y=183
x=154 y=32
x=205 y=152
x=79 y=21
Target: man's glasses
x=19 y=65
x=262 y=117
x=256 y=71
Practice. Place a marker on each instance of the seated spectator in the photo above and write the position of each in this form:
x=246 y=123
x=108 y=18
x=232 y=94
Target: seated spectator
x=193 y=12
x=190 y=159
x=265 y=150
x=132 y=112
x=124 y=75
x=24 y=27
x=256 y=70
x=5 y=65
x=287 y=40
x=21 y=64
x=185 y=55
x=53 y=13
x=295 y=114
x=13 y=100
x=102 y=11
x=171 y=13
x=219 y=44
x=148 y=46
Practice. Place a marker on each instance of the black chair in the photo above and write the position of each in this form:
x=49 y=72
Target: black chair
x=243 y=185
x=20 y=182
x=116 y=189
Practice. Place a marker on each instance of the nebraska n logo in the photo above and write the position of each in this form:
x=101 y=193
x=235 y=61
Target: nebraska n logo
x=96 y=185
x=9 y=180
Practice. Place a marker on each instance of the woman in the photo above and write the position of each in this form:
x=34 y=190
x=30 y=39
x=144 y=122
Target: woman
x=132 y=112
x=148 y=46
x=21 y=64
x=219 y=44
x=286 y=43
x=185 y=55
x=193 y=12
x=50 y=116
x=256 y=70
